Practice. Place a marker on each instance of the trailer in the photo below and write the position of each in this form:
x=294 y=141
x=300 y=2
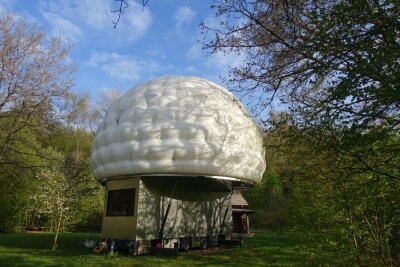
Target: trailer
x=139 y=215
x=170 y=153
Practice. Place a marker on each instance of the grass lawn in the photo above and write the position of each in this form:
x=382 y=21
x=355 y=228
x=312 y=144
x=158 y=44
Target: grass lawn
x=266 y=248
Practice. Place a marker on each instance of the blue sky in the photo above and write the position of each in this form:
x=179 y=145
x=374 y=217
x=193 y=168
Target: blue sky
x=161 y=39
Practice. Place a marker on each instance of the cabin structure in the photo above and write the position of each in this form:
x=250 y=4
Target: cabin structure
x=172 y=154
x=240 y=215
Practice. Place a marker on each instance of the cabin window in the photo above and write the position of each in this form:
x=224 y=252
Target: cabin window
x=121 y=202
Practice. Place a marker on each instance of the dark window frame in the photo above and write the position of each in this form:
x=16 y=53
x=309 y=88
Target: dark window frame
x=121 y=202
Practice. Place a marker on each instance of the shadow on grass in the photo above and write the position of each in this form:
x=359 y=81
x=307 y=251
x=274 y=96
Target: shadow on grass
x=44 y=240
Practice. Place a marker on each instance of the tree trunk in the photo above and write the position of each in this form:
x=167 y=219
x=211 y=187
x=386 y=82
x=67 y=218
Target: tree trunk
x=351 y=222
x=57 y=231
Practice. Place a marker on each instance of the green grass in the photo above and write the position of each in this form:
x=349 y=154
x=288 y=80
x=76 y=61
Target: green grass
x=266 y=248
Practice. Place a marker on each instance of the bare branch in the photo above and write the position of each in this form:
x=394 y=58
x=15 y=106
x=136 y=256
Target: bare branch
x=122 y=5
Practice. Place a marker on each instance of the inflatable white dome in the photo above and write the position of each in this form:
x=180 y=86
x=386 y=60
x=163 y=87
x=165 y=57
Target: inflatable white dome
x=178 y=125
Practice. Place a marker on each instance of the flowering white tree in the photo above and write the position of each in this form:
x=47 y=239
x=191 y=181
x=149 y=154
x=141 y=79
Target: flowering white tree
x=55 y=198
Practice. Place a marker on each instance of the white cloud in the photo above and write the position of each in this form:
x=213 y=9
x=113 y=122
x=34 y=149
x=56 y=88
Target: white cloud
x=225 y=61
x=63 y=27
x=96 y=15
x=156 y=52
x=183 y=16
x=125 y=67
x=218 y=63
x=195 y=52
x=213 y=22
x=138 y=20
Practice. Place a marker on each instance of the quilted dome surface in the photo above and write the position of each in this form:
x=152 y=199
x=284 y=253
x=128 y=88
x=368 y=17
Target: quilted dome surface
x=178 y=125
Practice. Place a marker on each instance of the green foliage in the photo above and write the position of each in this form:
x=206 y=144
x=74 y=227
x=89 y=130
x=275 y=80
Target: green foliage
x=333 y=191
x=336 y=66
x=343 y=198
x=45 y=135
x=26 y=193
x=12 y=189
x=269 y=201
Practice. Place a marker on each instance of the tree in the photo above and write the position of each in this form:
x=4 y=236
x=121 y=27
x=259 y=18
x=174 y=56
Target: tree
x=337 y=205
x=338 y=58
x=335 y=66
x=54 y=197
x=106 y=98
x=270 y=198
x=72 y=137
x=45 y=136
x=34 y=79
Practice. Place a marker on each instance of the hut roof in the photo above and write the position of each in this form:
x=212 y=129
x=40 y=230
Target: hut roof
x=238 y=200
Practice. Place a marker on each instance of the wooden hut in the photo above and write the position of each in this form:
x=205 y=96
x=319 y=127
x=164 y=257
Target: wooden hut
x=240 y=215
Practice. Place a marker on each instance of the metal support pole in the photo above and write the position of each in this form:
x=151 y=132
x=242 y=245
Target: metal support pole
x=161 y=233
x=226 y=212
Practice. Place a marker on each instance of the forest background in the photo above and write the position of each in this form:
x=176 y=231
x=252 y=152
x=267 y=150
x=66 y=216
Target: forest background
x=333 y=161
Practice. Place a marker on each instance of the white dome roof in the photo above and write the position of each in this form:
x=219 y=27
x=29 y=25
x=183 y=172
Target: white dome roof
x=178 y=125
